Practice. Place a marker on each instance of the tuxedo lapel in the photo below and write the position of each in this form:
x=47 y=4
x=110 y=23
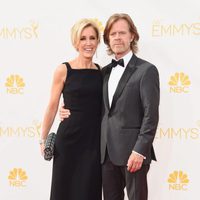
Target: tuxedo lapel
x=130 y=68
x=105 y=86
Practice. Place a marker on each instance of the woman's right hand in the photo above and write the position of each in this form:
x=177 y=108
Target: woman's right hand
x=63 y=113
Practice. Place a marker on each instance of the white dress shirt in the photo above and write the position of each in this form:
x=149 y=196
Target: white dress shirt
x=115 y=75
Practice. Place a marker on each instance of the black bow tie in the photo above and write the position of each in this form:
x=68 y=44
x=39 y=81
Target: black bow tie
x=117 y=62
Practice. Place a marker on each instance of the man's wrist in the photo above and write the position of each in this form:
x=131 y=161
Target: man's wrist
x=139 y=154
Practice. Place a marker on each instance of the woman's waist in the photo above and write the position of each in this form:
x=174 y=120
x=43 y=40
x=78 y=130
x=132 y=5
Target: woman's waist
x=83 y=108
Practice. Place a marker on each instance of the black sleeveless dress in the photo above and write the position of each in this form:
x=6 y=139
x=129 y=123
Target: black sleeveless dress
x=76 y=165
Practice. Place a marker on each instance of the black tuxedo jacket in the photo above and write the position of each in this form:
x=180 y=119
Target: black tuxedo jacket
x=130 y=123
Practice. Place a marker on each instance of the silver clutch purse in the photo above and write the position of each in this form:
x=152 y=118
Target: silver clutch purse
x=49 y=146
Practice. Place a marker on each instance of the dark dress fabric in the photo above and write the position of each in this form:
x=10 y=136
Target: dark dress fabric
x=76 y=165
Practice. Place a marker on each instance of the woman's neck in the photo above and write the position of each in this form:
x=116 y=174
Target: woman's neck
x=83 y=63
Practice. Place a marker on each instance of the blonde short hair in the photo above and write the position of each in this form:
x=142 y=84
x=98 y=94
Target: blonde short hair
x=132 y=28
x=79 y=26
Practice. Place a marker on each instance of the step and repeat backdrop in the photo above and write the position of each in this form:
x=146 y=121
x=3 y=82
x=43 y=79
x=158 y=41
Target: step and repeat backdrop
x=35 y=39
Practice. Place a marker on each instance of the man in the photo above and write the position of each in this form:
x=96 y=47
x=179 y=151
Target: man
x=130 y=113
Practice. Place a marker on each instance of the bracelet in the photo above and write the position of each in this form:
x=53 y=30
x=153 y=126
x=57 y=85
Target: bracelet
x=42 y=141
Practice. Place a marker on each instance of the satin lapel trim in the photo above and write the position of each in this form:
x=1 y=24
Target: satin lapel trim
x=124 y=79
x=105 y=87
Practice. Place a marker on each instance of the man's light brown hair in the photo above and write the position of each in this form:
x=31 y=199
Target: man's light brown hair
x=132 y=28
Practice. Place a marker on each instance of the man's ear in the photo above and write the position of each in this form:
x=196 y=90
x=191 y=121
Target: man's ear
x=132 y=38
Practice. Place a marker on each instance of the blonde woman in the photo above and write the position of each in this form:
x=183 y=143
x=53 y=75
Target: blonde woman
x=76 y=166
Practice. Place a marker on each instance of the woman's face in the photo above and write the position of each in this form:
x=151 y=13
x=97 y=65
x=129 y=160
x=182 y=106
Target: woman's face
x=88 y=42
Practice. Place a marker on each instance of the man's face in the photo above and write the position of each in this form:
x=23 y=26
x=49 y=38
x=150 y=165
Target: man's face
x=120 y=38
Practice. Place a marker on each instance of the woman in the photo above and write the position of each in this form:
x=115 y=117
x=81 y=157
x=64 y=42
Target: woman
x=76 y=165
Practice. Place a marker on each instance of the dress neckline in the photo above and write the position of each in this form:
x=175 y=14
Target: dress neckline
x=85 y=69
x=82 y=69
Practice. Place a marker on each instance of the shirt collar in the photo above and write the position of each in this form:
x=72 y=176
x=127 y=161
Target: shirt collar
x=127 y=58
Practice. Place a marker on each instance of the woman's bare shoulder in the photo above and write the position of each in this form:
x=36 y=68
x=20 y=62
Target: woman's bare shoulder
x=61 y=72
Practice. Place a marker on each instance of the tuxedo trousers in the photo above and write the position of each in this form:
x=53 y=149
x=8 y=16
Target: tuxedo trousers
x=116 y=178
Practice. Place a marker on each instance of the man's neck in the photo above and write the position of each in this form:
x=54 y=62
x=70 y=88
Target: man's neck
x=120 y=55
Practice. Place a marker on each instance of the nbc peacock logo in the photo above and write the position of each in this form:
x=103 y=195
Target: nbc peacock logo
x=178 y=180
x=15 y=84
x=17 y=177
x=179 y=83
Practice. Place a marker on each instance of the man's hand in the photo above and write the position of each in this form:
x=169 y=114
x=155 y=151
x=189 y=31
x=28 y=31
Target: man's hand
x=63 y=113
x=134 y=162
